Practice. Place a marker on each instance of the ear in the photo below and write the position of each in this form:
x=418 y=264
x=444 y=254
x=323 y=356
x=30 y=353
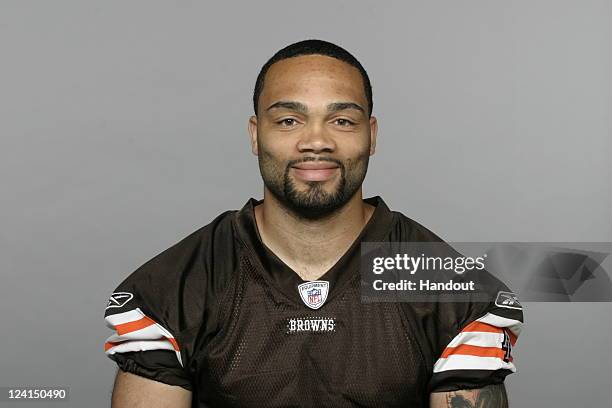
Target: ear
x=373 y=134
x=253 y=134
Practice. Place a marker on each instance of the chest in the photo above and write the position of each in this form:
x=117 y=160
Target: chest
x=273 y=352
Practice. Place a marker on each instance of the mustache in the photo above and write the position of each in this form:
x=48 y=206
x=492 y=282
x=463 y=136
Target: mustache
x=292 y=163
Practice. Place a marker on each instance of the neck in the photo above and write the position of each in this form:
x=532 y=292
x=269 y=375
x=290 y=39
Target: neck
x=310 y=247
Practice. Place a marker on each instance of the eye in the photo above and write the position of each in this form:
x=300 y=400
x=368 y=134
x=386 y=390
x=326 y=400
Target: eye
x=287 y=122
x=344 y=122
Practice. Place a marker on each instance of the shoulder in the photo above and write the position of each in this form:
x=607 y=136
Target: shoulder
x=175 y=285
x=408 y=229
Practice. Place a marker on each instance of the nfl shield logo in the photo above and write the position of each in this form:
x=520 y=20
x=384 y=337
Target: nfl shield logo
x=314 y=294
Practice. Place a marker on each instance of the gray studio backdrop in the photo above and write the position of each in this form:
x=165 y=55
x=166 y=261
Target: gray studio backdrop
x=123 y=129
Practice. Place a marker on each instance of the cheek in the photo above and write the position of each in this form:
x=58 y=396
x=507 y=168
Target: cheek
x=271 y=163
x=356 y=149
x=268 y=155
x=277 y=150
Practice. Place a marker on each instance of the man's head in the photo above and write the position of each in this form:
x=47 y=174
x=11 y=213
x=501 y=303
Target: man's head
x=313 y=131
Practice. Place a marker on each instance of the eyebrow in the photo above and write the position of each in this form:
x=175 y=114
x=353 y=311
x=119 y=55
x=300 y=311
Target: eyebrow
x=338 y=106
x=300 y=107
x=291 y=105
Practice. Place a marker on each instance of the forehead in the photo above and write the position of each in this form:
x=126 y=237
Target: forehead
x=310 y=76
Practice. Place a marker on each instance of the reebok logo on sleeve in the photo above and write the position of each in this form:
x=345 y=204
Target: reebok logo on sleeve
x=119 y=299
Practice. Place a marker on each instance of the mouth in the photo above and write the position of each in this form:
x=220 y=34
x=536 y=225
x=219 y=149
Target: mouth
x=315 y=171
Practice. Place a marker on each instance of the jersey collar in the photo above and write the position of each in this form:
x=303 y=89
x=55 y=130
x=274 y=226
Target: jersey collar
x=280 y=275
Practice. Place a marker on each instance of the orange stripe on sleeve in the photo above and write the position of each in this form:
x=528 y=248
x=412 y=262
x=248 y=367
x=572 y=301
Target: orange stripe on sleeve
x=468 y=350
x=129 y=327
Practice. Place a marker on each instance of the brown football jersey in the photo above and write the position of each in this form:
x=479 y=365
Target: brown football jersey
x=221 y=315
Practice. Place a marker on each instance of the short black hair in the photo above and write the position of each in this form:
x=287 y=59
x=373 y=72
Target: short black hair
x=313 y=47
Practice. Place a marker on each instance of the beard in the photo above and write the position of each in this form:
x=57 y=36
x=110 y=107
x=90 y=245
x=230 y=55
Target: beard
x=314 y=201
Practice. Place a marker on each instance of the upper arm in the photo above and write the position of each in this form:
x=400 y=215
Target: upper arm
x=491 y=396
x=133 y=391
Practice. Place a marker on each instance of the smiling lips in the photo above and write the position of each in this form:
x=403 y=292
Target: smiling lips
x=315 y=171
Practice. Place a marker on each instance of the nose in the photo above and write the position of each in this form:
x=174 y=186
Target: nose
x=315 y=139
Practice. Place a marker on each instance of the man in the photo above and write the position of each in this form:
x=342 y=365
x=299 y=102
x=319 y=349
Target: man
x=262 y=307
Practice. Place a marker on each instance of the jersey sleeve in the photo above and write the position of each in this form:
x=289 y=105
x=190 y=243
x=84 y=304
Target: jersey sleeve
x=152 y=311
x=479 y=352
x=143 y=342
